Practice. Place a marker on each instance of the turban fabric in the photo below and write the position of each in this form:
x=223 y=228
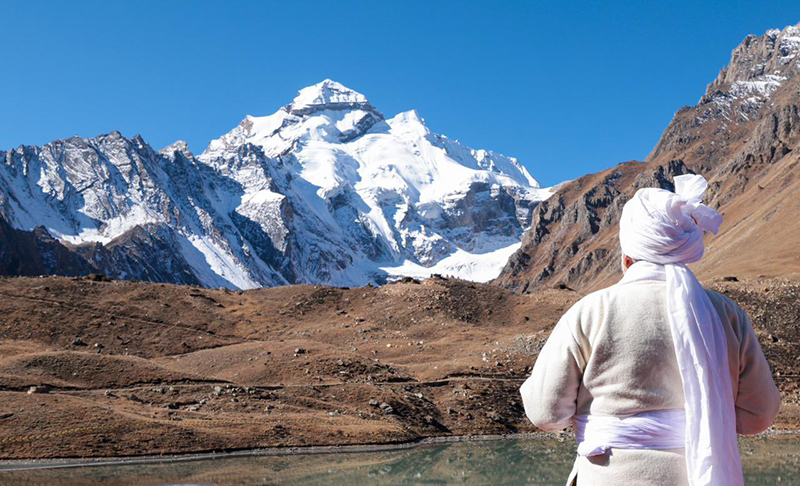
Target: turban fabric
x=666 y=228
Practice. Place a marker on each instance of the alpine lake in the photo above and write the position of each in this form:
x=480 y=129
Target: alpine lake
x=767 y=460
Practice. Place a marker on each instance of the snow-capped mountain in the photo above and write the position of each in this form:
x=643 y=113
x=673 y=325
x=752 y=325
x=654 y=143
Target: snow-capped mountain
x=325 y=190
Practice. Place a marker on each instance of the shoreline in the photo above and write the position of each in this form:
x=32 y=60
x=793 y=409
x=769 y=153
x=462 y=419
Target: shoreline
x=8 y=465
x=12 y=465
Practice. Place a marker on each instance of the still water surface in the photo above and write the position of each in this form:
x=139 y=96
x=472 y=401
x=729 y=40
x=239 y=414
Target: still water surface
x=773 y=460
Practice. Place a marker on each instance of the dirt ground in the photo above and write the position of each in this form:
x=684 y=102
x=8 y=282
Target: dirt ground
x=91 y=367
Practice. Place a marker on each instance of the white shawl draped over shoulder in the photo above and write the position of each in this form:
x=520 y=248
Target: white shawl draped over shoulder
x=666 y=229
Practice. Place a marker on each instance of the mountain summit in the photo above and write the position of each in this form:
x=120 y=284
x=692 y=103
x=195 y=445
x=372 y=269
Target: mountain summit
x=324 y=190
x=327 y=94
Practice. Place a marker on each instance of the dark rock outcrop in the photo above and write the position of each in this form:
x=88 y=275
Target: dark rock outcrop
x=36 y=252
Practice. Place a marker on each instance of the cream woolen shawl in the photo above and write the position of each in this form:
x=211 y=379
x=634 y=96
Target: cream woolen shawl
x=666 y=228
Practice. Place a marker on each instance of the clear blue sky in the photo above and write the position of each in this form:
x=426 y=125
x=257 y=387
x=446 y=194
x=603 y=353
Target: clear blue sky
x=568 y=88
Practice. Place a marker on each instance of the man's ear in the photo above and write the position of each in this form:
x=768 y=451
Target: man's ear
x=627 y=261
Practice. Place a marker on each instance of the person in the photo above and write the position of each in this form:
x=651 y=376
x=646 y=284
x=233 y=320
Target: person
x=656 y=374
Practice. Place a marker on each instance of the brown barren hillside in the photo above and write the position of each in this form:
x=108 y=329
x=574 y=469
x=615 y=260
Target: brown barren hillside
x=742 y=136
x=91 y=367
x=97 y=367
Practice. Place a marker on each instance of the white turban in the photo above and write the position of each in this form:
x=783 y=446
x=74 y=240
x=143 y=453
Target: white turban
x=660 y=226
x=666 y=228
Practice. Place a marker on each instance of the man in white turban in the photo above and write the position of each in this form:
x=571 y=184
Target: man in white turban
x=656 y=374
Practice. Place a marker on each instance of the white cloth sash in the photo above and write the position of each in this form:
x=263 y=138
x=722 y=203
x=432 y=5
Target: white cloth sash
x=662 y=429
x=663 y=231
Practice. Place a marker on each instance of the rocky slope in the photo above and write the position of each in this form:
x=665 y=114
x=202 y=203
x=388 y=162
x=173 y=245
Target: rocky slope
x=741 y=136
x=325 y=190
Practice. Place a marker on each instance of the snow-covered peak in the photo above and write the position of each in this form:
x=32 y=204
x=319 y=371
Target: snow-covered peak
x=179 y=146
x=329 y=122
x=326 y=111
x=361 y=191
x=409 y=129
x=407 y=123
x=327 y=94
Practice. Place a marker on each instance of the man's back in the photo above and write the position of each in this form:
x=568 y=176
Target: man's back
x=612 y=354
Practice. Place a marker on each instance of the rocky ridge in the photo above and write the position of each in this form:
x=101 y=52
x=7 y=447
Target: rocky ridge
x=741 y=136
